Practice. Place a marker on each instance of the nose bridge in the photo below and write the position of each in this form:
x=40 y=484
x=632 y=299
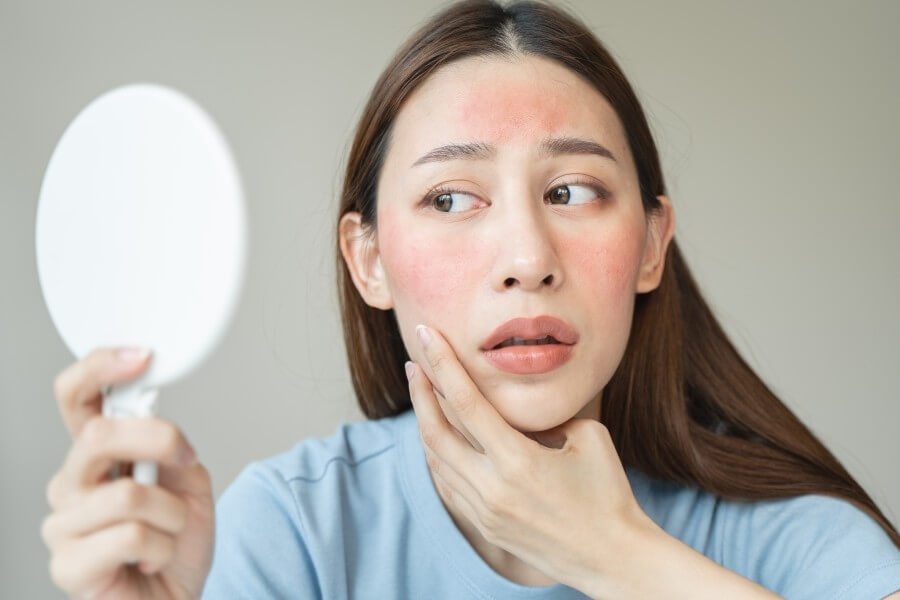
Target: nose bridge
x=527 y=254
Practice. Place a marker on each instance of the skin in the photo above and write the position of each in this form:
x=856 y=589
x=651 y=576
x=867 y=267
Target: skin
x=96 y=524
x=465 y=273
x=450 y=270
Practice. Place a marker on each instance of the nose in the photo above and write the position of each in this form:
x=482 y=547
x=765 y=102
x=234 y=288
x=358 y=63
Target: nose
x=526 y=256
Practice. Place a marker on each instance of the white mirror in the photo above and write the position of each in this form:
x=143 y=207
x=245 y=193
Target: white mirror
x=141 y=237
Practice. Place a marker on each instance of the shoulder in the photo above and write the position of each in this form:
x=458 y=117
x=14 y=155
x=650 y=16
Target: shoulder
x=313 y=459
x=273 y=520
x=350 y=452
x=809 y=546
x=319 y=475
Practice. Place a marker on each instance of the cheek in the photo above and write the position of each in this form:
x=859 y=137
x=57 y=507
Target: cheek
x=431 y=274
x=605 y=267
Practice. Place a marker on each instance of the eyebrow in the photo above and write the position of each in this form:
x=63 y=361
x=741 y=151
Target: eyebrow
x=548 y=148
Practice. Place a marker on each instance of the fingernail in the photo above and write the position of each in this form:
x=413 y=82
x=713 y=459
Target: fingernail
x=410 y=369
x=132 y=355
x=424 y=335
x=187 y=456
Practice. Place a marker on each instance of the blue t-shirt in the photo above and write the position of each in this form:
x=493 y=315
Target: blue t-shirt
x=356 y=515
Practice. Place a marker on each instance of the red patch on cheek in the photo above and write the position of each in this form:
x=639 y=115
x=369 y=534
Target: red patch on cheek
x=605 y=266
x=492 y=113
x=430 y=273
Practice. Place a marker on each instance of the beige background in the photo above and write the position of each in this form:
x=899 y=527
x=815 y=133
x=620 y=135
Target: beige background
x=780 y=140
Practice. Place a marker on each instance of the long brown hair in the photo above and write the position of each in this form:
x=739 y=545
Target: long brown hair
x=681 y=384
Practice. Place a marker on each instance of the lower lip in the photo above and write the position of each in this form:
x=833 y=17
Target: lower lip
x=529 y=360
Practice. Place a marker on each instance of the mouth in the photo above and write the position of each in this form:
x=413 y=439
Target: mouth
x=530 y=346
x=536 y=331
x=518 y=341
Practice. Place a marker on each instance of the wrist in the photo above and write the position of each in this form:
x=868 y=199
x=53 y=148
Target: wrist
x=625 y=563
x=648 y=562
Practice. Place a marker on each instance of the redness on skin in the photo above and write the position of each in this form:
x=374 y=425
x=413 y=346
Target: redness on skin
x=435 y=275
x=440 y=273
x=610 y=260
x=498 y=113
x=448 y=271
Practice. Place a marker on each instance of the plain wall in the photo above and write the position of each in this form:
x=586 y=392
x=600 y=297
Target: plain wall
x=780 y=140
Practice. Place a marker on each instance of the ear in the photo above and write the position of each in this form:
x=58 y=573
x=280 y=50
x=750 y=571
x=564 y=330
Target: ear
x=660 y=229
x=359 y=247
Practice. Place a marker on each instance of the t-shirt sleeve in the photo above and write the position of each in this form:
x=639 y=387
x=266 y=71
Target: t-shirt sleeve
x=259 y=547
x=829 y=548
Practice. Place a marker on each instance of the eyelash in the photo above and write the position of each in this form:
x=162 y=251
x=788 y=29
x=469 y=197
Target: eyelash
x=429 y=198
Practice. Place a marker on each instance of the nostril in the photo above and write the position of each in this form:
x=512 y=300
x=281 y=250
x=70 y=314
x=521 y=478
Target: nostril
x=510 y=281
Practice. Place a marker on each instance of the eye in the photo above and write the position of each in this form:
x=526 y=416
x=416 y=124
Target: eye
x=451 y=201
x=574 y=194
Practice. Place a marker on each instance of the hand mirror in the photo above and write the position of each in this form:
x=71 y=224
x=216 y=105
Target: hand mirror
x=141 y=238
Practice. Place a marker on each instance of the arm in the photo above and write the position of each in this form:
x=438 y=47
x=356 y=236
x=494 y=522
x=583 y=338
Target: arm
x=657 y=565
x=811 y=546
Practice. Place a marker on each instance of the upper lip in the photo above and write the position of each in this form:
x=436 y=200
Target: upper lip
x=536 y=327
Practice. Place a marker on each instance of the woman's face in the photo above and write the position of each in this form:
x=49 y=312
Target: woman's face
x=513 y=228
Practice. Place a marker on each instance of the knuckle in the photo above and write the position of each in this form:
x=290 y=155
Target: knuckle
x=181 y=516
x=493 y=499
x=128 y=494
x=204 y=479
x=429 y=433
x=490 y=526
x=446 y=491
x=437 y=362
x=432 y=461
x=170 y=438
x=491 y=516
x=67 y=381
x=166 y=549
x=60 y=385
x=57 y=570
x=461 y=401
x=96 y=431
x=50 y=491
x=134 y=535
x=47 y=530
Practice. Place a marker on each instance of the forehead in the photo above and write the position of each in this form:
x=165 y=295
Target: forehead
x=503 y=101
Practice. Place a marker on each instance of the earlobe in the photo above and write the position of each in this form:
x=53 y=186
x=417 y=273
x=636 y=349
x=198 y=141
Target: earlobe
x=661 y=228
x=359 y=248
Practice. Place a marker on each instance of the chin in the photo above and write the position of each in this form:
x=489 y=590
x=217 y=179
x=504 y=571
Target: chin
x=532 y=410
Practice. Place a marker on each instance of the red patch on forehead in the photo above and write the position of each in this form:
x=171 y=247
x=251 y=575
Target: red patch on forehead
x=500 y=112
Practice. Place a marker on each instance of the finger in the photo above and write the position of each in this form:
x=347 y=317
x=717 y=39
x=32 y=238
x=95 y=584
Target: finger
x=449 y=493
x=78 y=564
x=481 y=419
x=439 y=436
x=194 y=480
x=118 y=501
x=104 y=441
x=77 y=387
x=454 y=480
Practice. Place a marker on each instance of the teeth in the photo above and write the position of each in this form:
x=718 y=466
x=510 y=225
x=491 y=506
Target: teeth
x=517 y=341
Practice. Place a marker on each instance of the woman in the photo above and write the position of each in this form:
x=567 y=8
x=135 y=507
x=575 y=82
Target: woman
x=580 y=424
